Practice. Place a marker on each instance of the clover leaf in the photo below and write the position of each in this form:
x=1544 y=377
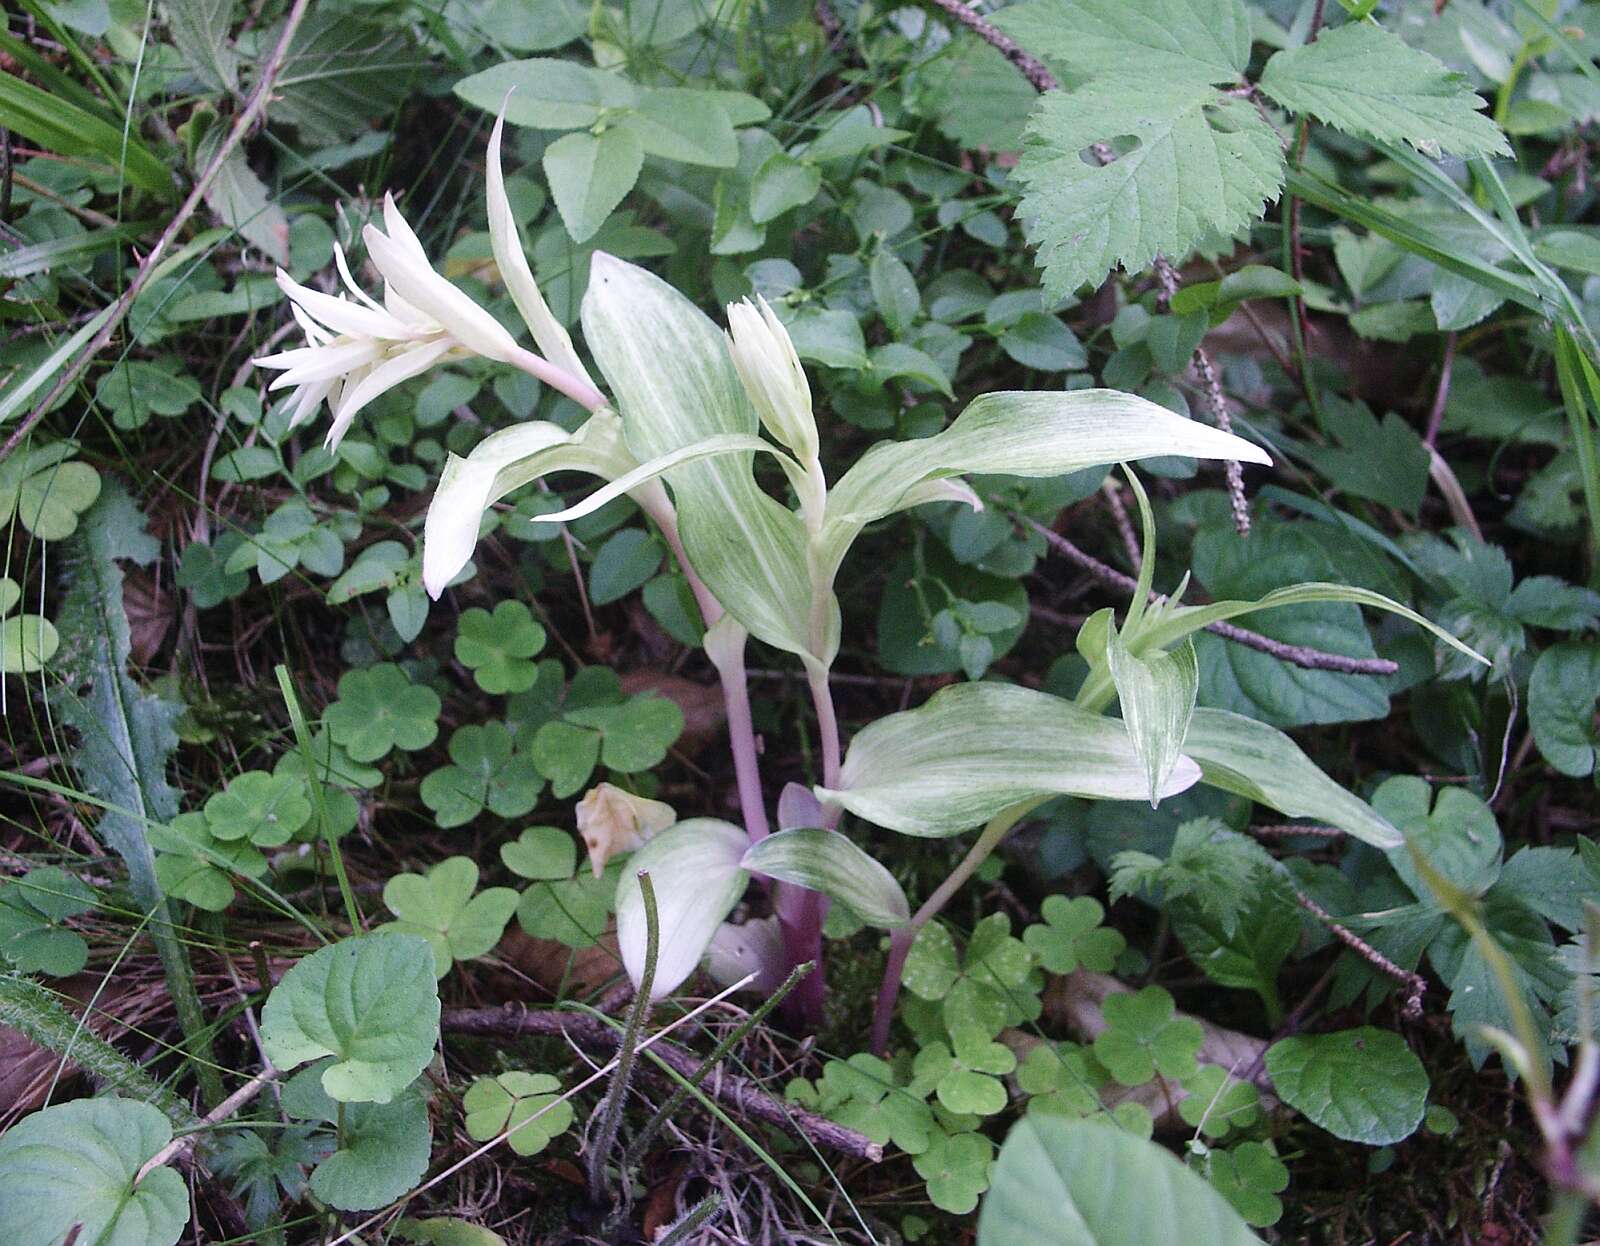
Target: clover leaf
x=484 y=773
x=380 y=709
x=31 y=910
x=440 y=906
x=497 y=647
x=993 y=986
x=956 y=1170
x=1250 y=1177
x=72 y=1172
x=136 y=389
x=372 y=1002
x=45 y=492
x=294 y=536
x=1063 y=1079
x=27 y=641
x=966 y=1080
x=573 y=910
x=1143 y=1036
x=863 y=1093
x=528 y=1103
x=193 y=865
x=629 y=736
x=263 y=808
x=1218 y=1102
x=542 y=853
x=381 y=1149
x=1071 y=935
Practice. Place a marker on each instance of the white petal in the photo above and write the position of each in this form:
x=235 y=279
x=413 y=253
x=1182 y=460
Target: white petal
x=385 y=376
x=306 y=401
x=397 y=228
x=552 y=339
x=418 y=284
x=341 y=315
x=349 y=281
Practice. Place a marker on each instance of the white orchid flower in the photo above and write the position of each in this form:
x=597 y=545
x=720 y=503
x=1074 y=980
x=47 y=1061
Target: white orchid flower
x=357 y=349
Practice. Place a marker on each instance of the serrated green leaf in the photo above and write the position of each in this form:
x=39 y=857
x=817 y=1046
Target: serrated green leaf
x=371 y=1002
x=1202 y=163
x=589 y=174
x=1204 y=41
x=1361 y=1085
x=1361 y=79
x=1562 y=692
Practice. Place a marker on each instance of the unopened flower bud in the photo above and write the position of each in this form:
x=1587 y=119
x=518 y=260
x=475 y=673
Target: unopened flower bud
x=612 y=821
x=770 y=371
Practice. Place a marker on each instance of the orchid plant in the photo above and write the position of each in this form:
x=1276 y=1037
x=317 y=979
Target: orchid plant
x=678 y=434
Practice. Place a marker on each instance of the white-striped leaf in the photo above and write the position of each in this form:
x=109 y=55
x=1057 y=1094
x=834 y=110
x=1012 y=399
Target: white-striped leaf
x=1157 y=694
x=501 y=462
x=695 y=872
x=826 y=861
x=1254 y=760
x=975 y=749
x=1019 y=434
x=669 y=369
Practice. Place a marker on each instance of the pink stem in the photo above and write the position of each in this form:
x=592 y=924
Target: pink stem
x=575 y=388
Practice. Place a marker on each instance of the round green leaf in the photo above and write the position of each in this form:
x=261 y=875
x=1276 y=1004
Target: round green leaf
x=372 y=1002
x=1562 y=693
x=1361 y=1085
x=27 y=642
x=1061 y=1182
x=74 y=1165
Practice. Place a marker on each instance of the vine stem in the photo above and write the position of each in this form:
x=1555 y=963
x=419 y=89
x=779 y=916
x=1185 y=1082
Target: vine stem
x=901 y=940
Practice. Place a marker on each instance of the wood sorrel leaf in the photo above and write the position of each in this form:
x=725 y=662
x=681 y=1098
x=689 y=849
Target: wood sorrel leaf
x=975 y=749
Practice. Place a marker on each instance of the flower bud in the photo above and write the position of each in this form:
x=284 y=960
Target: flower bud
x=771 y=374
x=612 y=821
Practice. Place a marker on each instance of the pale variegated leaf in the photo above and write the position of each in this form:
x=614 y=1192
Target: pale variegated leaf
x=826 y=861
x=1166 y=627
x=1019 y=434
x=669 y=368
x=501 y=462
x=975 y=749
x=1254 y=760
x=1157 y=694
x=695 y=872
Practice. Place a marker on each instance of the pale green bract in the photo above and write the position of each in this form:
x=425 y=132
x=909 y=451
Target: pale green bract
x=976 y=749
x=1157 y=694
x=695 y=870
x=826 y=861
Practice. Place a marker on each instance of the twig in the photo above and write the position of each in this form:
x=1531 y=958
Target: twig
x=1416 y=986
x=739 y=1093
x=242 y=124
x=1297 y=655
x=1030 y=67
x=181 y=1146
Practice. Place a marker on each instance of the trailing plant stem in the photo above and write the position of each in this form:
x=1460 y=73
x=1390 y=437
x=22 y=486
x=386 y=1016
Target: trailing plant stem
x=901 y=940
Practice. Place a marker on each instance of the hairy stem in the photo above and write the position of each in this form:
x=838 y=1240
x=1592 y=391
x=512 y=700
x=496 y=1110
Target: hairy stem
x=901 y=940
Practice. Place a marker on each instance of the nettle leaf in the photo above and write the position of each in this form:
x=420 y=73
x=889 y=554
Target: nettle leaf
x=440 y=906
x=527 y=1103
x=1361 y=79
x=1562 y=693
x=828 y=862
x=382 y=1148
x=1199 y=163
x=371 y=1001
x=1361 y=1085
x=1185 y=40
x=695 y=871
x=1062 y=1182
x=69 y=1172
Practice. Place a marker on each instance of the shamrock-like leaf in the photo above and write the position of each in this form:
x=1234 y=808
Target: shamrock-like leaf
x=263 y=808
x=966 y=1080
x=1063 y=1079
x=956 y=1169
x=372 y=1002
x=192 y=864
x=1458 y=835
x=527 y=1103
x=1071 y=935
x=380 y=709
x=498 y=647
x=1250 y=1177
x=47 y=493
x=1144 y=1036
x=630 y=737
x=32 y=909
x=572 y=910
x=440 y=906
x=542 y=853
x=381 y=1149
x=993 y=986
x=485 y=773
x=69 y=1172
x=863 y=1093
x=1218 y=1102
x=27 y=643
